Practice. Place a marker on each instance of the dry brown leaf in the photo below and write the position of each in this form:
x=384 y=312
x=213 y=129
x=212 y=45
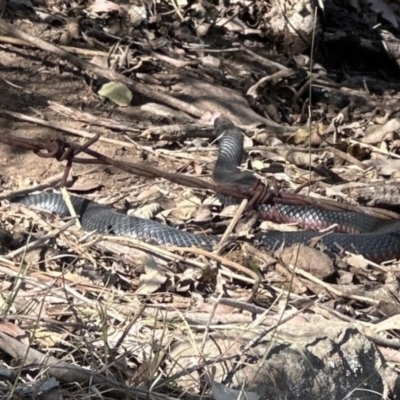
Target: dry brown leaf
x=345 y=278
x=187 y=208
x=105 y=6
x=308 y=259
x=148 y=211
x=14 y=331
x=153 y=278
x=49 y=339
x=71 y=277
x=211 y=62
x=85 y=185
x=357 y=261
x=198 y=168
x=273 y=226
x=377 y=133
x=148 y=193
x=390 y=355
x=136 y=14
x=303 y=135
x=300 y=159
x=384 y=167
x=202 y=215
x=229 y=211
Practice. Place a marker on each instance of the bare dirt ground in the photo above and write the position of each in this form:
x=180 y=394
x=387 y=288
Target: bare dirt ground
x=88 y=316
x=27 y=85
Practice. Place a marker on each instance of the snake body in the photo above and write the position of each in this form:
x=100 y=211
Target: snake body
x=376 y=239
x=96 y=217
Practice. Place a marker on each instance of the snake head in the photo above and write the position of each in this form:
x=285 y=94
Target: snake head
x=222 y=124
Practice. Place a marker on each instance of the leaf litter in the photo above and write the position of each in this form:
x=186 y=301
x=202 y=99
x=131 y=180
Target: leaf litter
x=174 y=321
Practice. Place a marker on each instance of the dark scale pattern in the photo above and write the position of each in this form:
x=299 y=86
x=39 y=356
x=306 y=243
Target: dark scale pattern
x=96 y=217
x=316 y=218
x=375 y=246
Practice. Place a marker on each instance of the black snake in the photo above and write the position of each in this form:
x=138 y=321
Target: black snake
x=376 y=239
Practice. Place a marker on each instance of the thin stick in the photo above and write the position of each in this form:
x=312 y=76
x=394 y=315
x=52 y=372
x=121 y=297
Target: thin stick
x=75 y=50
x=35 y=243
x=71 y=209
x=332 y=289
x=232 y=224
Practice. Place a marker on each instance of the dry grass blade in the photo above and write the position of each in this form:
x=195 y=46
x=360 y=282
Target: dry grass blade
x=68 y=373
x=232 y=224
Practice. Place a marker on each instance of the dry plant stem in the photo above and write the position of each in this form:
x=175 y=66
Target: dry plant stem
x=138 y=169
x=379 y=267
x=63 y=128
x=40 y=241
x=232 y=224
x=263 y=257
x=348 y=158
x=157 y=250
x=240 y=305
x=327 y=313
x=176 y=154
x=379 y=341
x=137 y=315
x=84 y=65
x=50 y=283
x=71 y=209
x=70 y=373
x=90 y=119
x=173 y=61
x=200 y=320
x=189 y=370
x=206 y=332
x=258 y=321
x=43 y=282
x=264 y=61
x=46 y=321
x=331 y=289
x=275 y=334
x=75 y=50
x=8 y=263
x=179 y=132
x=252 y=91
